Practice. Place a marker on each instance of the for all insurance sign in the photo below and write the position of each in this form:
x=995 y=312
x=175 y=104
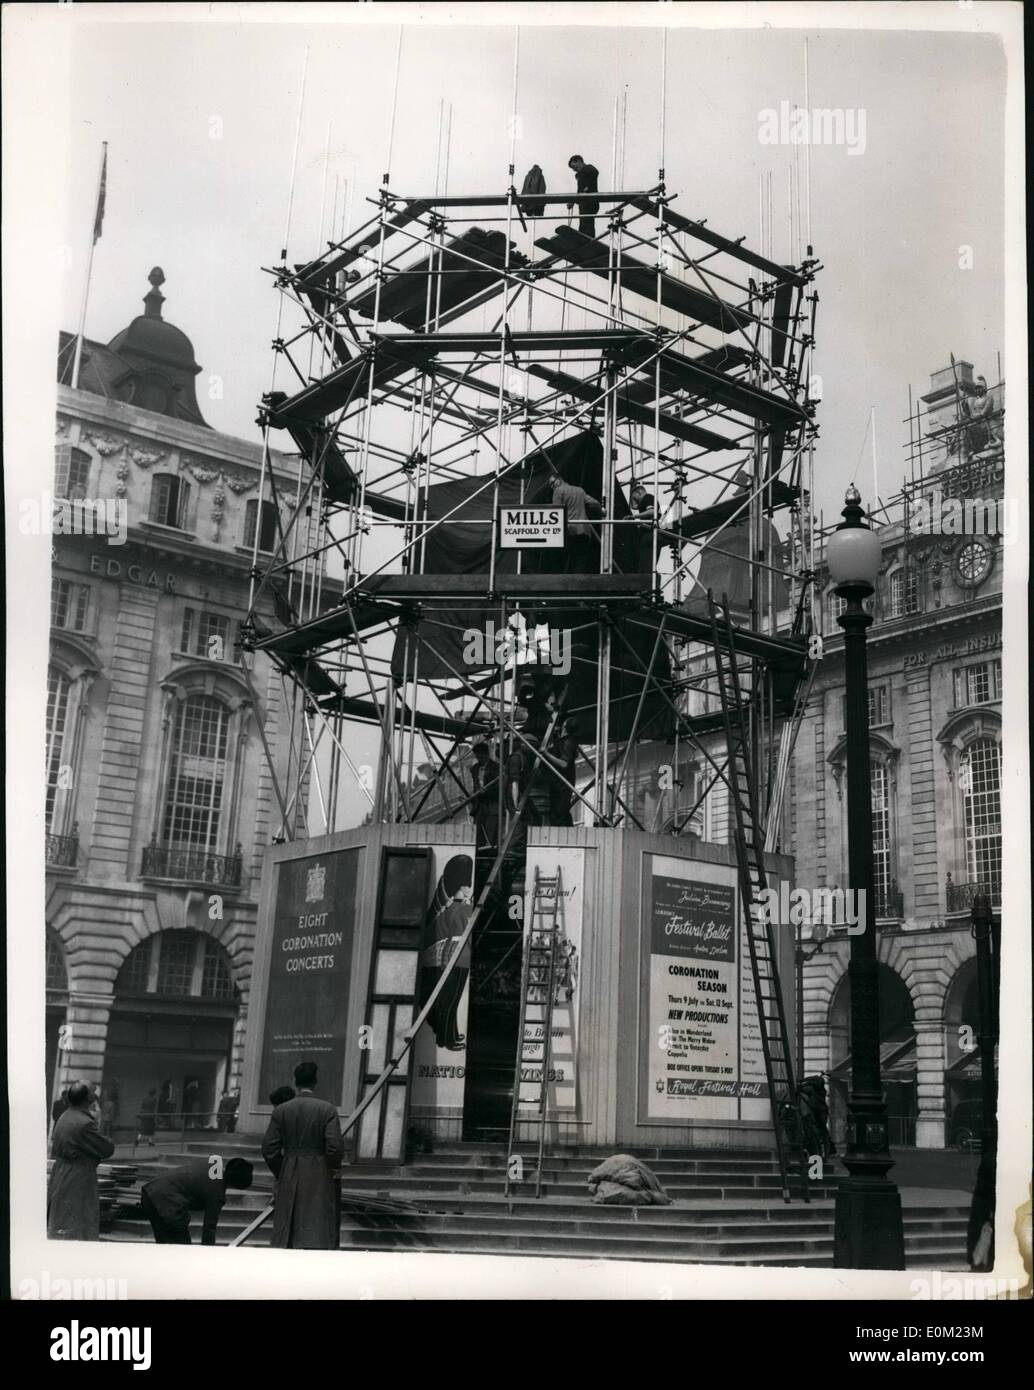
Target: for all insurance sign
x=531 y=528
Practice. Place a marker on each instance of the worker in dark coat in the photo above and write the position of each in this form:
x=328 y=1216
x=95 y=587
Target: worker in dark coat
x=303 y=1149
x=76 y=1146
x=535 y=183
x=587 y=178
x=59 y=1107
x=146 y=1119
x=168 y=1201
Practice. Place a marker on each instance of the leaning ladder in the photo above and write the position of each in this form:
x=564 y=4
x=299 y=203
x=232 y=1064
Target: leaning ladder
x=538 y=996
x=750 y=862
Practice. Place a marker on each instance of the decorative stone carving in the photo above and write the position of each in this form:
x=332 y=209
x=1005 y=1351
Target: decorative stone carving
x=218 y=501
x=238 y=483
x=144 y=458
x=203 y=474
x=121 y=473
x=64 y=426
x=107 y=444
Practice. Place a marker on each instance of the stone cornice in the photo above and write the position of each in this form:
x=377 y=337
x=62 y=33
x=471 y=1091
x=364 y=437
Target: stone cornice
x=200 y=443
x=921 y=628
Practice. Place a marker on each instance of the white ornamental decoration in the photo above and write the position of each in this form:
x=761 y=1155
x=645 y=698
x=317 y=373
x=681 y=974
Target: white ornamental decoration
x=107 y=444
x=218 y=500
x=144 y=458
x=238 y=484
x=315 y=884
x=121 y=473
x=202 y=474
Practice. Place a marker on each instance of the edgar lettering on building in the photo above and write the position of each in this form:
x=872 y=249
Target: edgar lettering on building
x=136 y=574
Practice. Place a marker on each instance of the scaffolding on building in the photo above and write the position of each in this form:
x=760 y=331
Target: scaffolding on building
x=431 y=351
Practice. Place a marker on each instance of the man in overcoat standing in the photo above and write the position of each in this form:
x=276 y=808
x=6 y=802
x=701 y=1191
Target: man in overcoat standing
x=76 y=1146
x=303 y=1149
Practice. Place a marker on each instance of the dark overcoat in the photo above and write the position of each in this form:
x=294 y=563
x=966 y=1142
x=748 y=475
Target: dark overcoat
x=73 y=1201
x=303 y=1149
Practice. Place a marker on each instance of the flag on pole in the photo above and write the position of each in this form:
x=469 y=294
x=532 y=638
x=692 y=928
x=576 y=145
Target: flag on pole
x=98 y=221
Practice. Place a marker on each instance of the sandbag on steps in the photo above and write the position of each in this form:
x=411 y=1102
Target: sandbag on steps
x=625 y=1181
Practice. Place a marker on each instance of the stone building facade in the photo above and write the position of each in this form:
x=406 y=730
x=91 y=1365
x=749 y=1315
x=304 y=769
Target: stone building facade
x=935 y=692
x=161 y=747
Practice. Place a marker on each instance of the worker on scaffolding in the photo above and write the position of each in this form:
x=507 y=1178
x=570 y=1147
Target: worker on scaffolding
x=485 y=778
x=531 y=767
x=587 y=181
x=644 y=514
x=565 y=762
x=579 y=507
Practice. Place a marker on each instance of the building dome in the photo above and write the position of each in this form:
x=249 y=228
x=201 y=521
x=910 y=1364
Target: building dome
x=153 y=337
x=161 y=360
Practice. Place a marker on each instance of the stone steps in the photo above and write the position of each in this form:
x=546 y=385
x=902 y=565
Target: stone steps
x=943 y=1249
x=728 y=1210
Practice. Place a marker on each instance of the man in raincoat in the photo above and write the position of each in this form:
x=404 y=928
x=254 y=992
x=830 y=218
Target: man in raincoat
x=76 y=1146
x=303 y=1149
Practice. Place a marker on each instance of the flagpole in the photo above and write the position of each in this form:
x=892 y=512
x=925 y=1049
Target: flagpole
x=98 y=210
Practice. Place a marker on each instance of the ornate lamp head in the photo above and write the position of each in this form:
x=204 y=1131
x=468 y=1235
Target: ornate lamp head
x=854 y=552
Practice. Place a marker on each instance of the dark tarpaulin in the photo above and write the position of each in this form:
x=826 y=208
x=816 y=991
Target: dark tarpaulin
x=726 y=570
x=453 y=548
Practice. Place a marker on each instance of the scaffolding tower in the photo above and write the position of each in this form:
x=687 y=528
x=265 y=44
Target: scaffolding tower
x=458 y=353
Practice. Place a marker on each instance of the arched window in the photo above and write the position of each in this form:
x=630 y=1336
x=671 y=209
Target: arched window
x=884 y=756
x=980 y=777
x=133 y=977
x=904 y=592
x=836 y=607
x=58 y=691
x=71 y=473
x=268 y=528
x=178 y=965
x=170 y=496
x=197 y=771
x=152 y=391
x=57 y=972
x=881 y=845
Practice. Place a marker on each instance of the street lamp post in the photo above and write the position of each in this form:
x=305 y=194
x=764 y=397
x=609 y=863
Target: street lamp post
x=869 y=1232
x=980 y=1235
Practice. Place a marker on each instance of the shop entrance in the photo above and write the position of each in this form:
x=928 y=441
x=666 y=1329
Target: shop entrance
x=897 y=1058
x=171 y=1032
x=183 y=1058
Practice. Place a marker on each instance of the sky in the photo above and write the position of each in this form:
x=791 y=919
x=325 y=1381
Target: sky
x=199 y=106
x=201 y=122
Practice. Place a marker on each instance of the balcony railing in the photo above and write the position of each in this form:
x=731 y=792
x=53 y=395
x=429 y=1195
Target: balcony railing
x=63 y=850
x=890 y=904
x=959 y=896
x=192 y=866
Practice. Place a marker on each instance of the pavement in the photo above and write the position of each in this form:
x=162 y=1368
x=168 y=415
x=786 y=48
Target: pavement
x=924 y=1177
